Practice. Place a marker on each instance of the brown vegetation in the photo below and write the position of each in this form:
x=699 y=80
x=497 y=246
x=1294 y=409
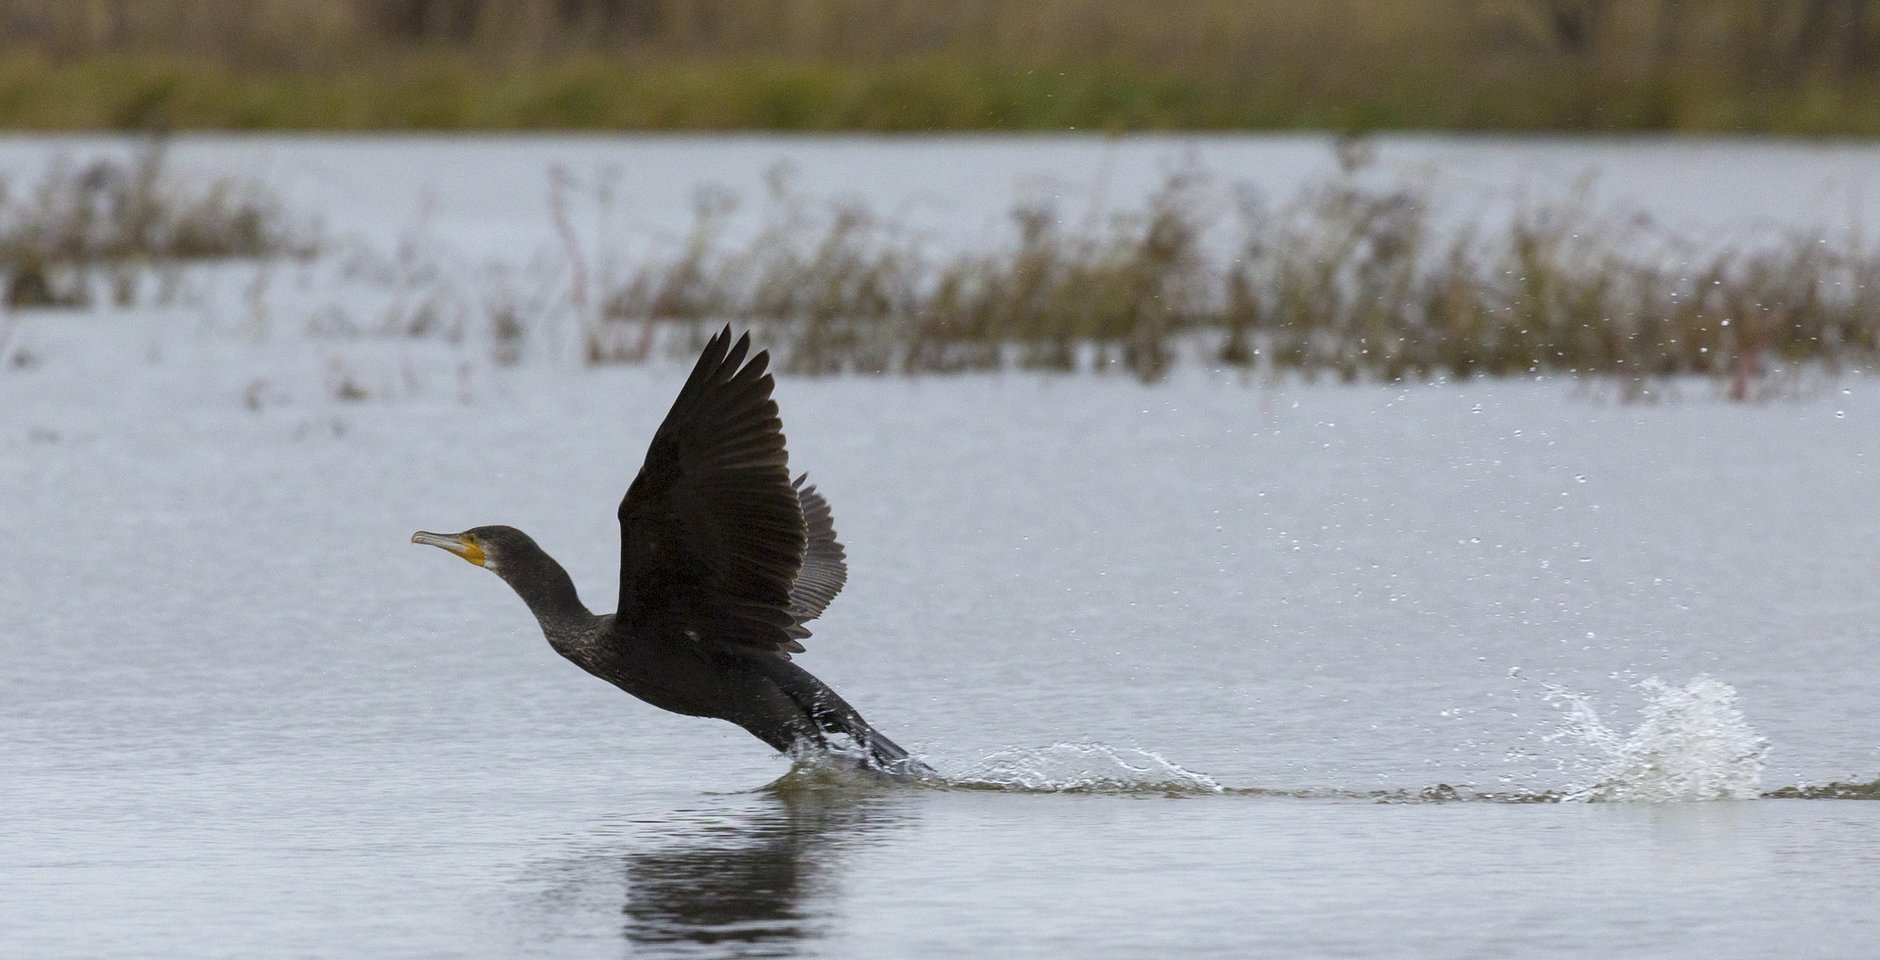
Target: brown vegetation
x=127 y=215
x=1348 y=281
x=1779 y=65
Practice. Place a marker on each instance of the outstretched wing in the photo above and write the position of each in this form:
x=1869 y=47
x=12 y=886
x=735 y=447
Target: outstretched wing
x=711 y=531
x=825 y=564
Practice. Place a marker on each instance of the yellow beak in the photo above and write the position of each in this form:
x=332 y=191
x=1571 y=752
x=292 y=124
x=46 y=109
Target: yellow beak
x=461 y=544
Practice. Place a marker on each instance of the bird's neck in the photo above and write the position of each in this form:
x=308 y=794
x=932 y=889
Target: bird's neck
x=548 y=590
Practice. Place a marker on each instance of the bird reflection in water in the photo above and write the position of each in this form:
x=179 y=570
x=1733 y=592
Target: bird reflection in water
x=756 y=877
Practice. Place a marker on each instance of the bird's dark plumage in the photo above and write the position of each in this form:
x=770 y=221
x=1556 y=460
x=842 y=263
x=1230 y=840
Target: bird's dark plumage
x=723 y=559
x=825 y=564
x=711 y=533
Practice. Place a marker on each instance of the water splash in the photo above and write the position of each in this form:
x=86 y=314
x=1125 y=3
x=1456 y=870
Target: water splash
x=1084 y=767
x=1692 y=743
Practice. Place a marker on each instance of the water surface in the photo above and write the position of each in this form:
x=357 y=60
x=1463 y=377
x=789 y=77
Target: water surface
x=1218 y=668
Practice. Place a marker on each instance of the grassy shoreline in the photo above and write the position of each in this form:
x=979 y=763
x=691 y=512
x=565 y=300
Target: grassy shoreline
x=1808 y=67
x=446 y=91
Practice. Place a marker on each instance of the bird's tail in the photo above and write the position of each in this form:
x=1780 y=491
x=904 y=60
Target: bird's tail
x=884 y=753
x=834 y=717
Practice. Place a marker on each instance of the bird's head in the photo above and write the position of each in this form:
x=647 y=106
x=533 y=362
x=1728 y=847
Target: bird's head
x=484 y=546
x=512 y=555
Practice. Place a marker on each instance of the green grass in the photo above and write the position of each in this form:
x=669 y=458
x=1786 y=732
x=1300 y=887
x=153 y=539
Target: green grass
x=1782 y=66
x=446 y=90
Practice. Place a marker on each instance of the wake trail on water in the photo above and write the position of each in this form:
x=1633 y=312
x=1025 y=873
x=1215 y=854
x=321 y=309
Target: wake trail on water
x=1085 y=767
x=1067 y=767
x=1691 y=743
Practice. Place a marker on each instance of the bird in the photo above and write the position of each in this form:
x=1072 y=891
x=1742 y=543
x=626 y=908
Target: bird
x=723 y=559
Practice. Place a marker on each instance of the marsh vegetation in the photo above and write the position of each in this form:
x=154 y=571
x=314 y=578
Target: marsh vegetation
x=1358 y=277
x=1789 y=66
x=121 y=218
x=1349 y=280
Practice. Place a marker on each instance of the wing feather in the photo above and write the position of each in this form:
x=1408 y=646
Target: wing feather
x=825 y=564
x=712 y=532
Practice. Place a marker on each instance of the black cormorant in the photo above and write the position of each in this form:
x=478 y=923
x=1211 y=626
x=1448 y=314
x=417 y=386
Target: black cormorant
x=723 y=559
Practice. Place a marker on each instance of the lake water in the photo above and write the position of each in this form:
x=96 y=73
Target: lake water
x=488 y=196
x=1212 y=668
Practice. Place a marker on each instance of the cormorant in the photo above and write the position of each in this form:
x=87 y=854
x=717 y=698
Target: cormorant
x=723 y=559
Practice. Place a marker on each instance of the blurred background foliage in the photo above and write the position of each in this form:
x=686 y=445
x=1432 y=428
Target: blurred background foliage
x=1787 y=66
